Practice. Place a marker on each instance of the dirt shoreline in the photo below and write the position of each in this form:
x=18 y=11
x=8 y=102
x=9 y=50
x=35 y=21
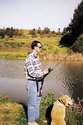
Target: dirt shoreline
x=74 y=57
x=49 y=57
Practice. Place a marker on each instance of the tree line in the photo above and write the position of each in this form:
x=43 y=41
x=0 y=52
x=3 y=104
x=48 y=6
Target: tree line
x=10 y=32
x=45 y=31
x=73 y=33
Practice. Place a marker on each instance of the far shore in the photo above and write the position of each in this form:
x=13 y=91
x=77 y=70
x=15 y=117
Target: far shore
x=74 y=57
x=47 y=57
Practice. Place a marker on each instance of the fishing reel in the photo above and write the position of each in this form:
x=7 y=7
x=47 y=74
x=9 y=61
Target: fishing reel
x=49 y=70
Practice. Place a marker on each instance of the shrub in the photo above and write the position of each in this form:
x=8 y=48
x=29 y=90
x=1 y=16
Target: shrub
x=78 y=46
x=19 y=44
x=4 y=99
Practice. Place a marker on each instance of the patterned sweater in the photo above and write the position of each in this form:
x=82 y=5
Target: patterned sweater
x=33 y=67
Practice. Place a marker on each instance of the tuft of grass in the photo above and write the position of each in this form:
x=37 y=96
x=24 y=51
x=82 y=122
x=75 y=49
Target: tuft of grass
x=4 y=99
x=74 y=117
x=22 y=117
x=11 y=113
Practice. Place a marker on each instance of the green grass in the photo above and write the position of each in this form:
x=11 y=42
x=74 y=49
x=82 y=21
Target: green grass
x=49 y=44
x=20 y=47
x=12 y=113
x=13 y=55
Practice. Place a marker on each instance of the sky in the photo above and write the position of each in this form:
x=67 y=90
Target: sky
x=29 y=14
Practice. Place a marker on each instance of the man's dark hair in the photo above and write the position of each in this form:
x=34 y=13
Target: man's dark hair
x=34 y=43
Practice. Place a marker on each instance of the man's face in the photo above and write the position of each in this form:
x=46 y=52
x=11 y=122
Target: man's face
x=38 y=48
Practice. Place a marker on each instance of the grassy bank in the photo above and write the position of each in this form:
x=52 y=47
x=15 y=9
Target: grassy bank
x=12 y=113
x=19 y=48
x=16 y=44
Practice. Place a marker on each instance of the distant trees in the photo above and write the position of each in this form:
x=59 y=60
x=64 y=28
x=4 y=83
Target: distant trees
x=46 y=30
x=39 y=30
x=43 y=33
x=10 y=32
x=33 y=32
x=75 y=28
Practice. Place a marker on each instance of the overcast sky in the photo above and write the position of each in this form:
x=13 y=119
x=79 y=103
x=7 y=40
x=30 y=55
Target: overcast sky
x=29 y=14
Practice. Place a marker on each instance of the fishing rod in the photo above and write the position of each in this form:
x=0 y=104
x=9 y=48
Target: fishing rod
x=51 y=69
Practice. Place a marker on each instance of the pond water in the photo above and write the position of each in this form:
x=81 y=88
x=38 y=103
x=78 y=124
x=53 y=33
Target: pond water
x=66 y=78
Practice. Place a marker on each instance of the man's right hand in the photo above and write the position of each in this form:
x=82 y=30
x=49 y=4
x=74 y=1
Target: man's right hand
x=50 y=69
x=46 y=71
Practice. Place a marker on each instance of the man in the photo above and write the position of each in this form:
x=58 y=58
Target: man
x=33 y=82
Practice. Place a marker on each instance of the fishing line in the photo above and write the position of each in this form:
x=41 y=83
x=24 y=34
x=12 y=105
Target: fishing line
x=50 y=69
x=60 y=62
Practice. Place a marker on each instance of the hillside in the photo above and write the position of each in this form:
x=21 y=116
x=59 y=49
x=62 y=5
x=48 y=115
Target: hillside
x=19 y=46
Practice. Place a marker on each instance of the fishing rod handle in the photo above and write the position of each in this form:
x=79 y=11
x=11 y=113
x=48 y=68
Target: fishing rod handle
x=49 y=70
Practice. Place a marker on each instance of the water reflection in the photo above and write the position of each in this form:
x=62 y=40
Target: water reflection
x=74 y=79
x=66 y=78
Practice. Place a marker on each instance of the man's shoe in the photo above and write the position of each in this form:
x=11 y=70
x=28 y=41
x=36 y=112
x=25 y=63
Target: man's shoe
x=32 y=123
x=35 y=123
